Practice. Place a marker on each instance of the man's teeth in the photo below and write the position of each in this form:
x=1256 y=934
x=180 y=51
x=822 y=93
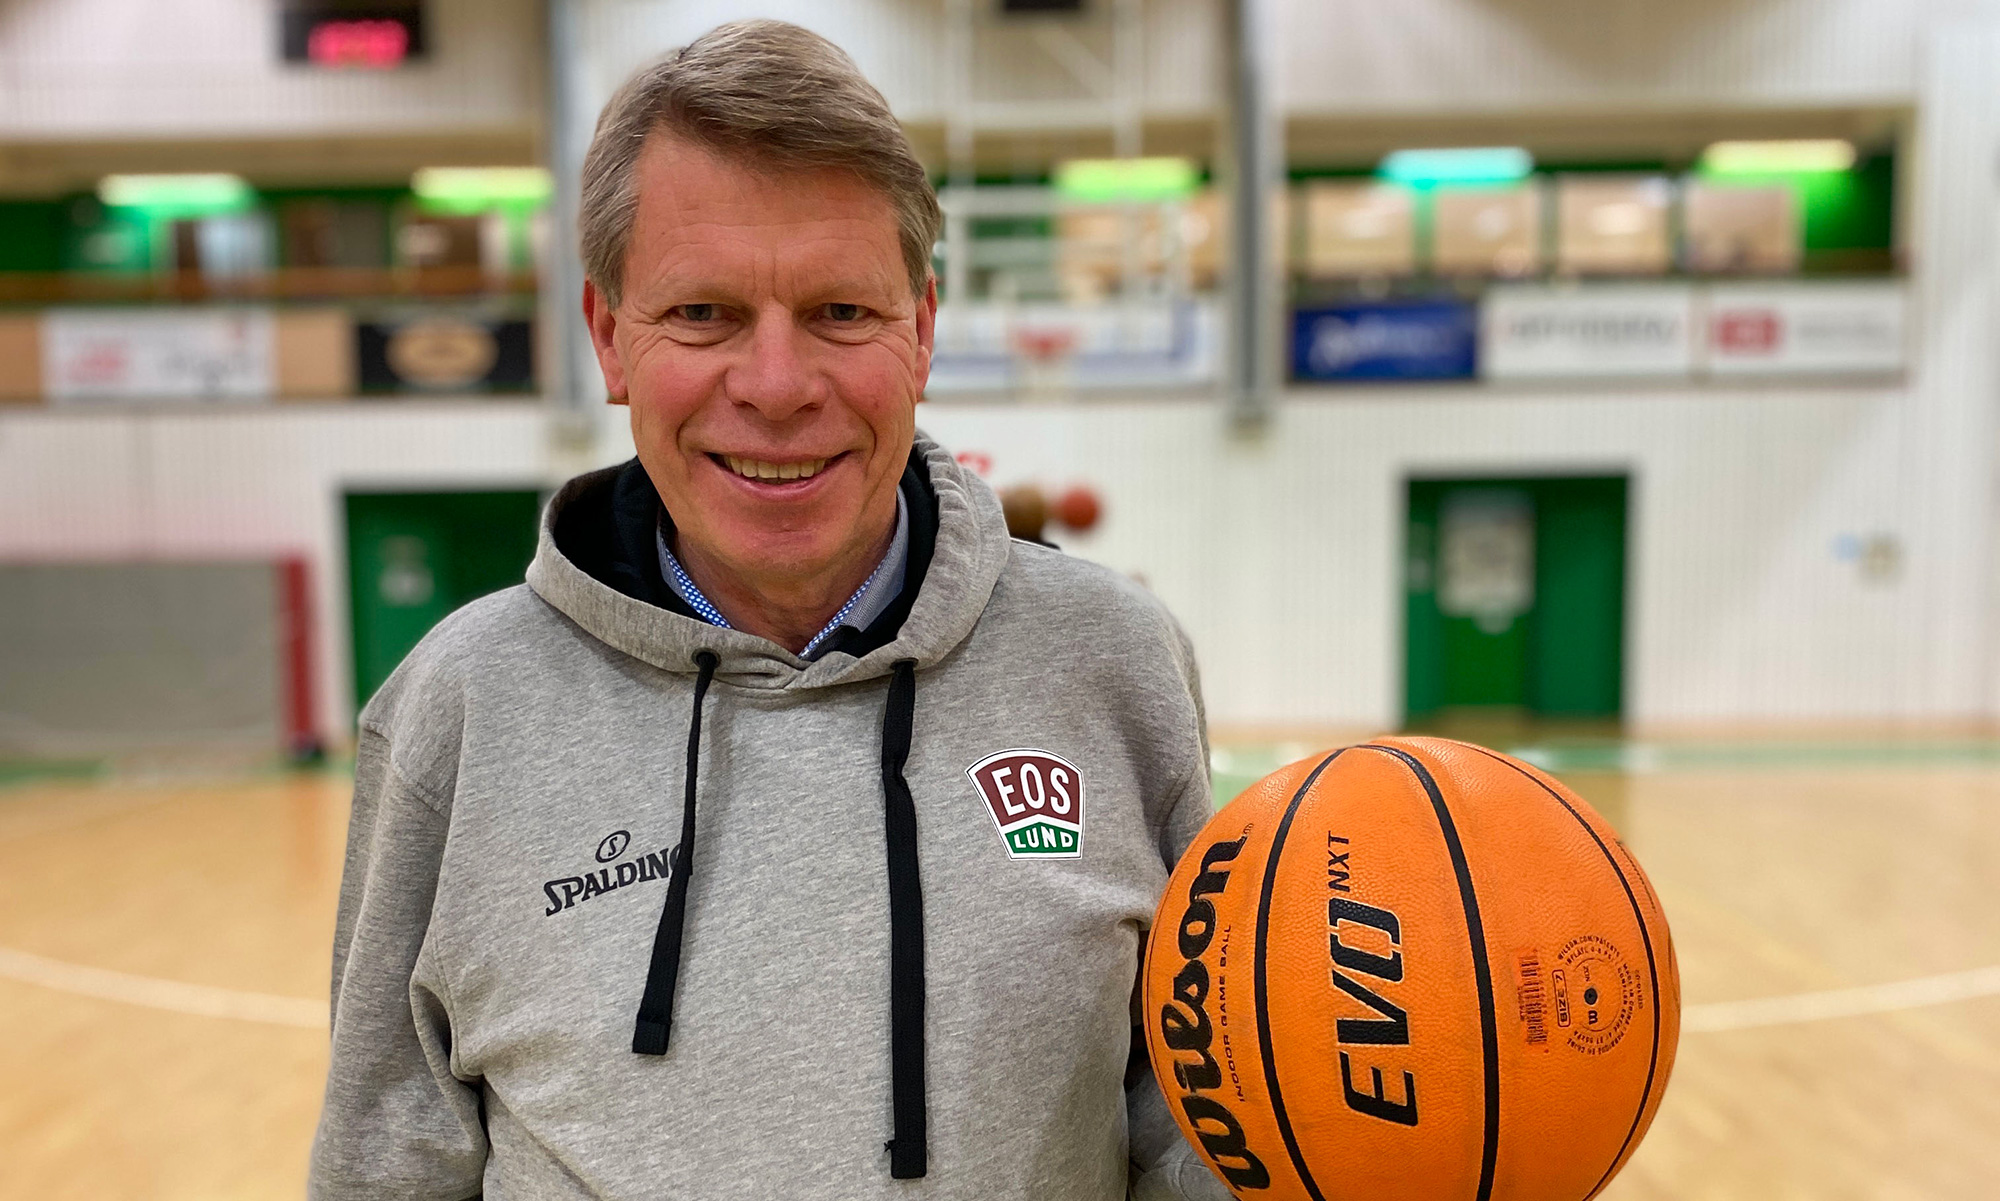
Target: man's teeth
x=758 y=469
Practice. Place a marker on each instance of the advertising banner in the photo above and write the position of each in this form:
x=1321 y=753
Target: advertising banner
x=1386 y=340
x=1486 y=230
x=1738 y=227
x=136 y=354
x=1608 y=225
x=1358 y=229
x=1832 y=328
x=445 y=352
x=1533 y=331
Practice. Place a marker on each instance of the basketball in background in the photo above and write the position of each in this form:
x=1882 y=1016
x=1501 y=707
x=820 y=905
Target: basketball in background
x=1411 y=970
x=1078 y=508
x=1027 y=511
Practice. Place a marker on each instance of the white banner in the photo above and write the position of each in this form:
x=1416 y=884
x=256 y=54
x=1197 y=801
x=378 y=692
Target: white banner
x=160 y=354
x=1534 y=331
x=1832 y=328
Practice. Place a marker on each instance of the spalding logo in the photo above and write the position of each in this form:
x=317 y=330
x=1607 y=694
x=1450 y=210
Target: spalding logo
x=1185 y=1027
x=568 y=891
x=614 y=845
x=1036 y=799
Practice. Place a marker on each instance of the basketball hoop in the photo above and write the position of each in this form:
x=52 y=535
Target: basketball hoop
x=1046 y=344
x=1043 y=352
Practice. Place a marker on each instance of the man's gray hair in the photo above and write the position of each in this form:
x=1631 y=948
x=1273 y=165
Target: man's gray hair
x=777 y=96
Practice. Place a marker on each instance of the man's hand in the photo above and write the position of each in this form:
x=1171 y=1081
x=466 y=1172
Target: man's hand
x=1182 y=1178
x=1165 y=1166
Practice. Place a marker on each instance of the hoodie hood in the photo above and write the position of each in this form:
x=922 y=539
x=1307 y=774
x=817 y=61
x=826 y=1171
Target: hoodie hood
x=970 y=551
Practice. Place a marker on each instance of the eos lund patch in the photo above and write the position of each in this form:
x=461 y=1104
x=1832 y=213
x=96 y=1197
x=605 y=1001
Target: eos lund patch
x=1036 y=799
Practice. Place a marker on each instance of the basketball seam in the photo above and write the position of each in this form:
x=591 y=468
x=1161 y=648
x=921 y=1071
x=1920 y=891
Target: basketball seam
x=1257 y=980
x=1652 y=969
x=1489 y=1026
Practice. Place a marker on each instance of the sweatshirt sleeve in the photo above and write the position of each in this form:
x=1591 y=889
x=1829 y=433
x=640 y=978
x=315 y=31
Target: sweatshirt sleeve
x=1165 y=1167
x=396 y=1122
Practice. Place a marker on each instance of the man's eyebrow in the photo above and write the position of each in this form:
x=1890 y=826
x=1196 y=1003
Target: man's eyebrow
x=667 y=291
x=843 y=289
x=662 y=292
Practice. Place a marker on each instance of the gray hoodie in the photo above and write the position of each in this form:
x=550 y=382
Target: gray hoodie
x=522 y=785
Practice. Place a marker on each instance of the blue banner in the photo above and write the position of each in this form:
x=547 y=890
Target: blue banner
x=1386 y=340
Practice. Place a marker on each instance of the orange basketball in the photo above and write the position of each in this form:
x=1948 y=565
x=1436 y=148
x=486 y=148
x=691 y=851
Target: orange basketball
x=1078 y=508
x=1412 y=970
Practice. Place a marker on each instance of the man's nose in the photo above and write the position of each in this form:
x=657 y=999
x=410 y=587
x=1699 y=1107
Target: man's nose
x=775 y=374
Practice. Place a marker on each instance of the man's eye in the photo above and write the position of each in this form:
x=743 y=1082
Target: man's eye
x=844 y=312
x=700 y=313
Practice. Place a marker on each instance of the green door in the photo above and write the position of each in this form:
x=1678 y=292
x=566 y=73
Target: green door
x=413 y=557
x=1514 y=596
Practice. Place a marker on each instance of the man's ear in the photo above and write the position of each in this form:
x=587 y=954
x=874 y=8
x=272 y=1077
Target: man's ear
x=926 y=334
x=603 y=325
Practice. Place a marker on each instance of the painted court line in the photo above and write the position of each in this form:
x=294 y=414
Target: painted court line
x=204 y=1000
x=175 y=996
x=1843 y=1002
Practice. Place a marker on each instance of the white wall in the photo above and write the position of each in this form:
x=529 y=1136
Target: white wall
x=1599 y=55
x=899 y=44
x=1409 y=56
x=1945 y=456
x=1281 y=553
x=192 y=483
x=209 y=69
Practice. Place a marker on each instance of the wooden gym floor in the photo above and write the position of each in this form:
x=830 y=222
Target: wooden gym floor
x=163 y=961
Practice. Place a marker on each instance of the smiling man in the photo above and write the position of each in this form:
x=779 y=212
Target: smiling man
x=943 y=777
x=773 y=345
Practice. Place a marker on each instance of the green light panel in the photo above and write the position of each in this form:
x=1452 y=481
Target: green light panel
x=181 y=194
x=1778 y=158
x=477 y=189
x=1466 y=165
x=1128 y=180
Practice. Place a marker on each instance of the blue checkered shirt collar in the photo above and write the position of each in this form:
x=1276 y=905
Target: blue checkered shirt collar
x=876 y=593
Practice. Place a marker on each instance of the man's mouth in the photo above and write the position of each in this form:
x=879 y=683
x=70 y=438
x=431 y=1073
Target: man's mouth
x=767 y=470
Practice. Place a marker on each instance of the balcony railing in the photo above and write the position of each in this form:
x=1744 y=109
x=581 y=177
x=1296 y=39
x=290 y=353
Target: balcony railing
x=288 y=283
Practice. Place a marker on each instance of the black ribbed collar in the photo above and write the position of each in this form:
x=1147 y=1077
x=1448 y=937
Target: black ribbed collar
x=611 y=534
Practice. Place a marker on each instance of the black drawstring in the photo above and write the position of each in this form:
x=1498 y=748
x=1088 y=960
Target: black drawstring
x=908 y=1154
x=908 y=1150
x=656 y=1007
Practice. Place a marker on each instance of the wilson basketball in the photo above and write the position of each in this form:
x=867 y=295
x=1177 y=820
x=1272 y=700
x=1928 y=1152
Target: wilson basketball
x=1412 y=969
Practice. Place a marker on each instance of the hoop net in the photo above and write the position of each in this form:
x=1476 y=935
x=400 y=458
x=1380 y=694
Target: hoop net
x=1044 y=345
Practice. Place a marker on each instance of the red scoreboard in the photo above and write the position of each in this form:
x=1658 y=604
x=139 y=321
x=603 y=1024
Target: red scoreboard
x=351 y=33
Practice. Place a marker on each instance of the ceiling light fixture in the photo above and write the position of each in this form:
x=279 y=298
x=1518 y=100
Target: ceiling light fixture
x=1778 y=158
x=209 y=192
x=1458 y=165
x=1132 y=180
x=476 y=188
